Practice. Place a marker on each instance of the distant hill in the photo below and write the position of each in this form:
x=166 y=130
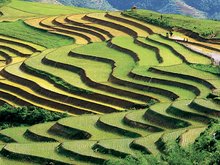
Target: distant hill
x=195 y=8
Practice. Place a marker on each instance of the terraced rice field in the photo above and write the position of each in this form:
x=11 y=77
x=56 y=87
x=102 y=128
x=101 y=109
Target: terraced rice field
x=127 y=87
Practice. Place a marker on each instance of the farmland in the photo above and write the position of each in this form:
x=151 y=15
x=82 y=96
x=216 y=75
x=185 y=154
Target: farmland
x=126 y=86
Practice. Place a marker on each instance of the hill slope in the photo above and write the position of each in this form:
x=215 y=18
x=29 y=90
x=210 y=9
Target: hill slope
x=196 y=8
x=127 y=84
x=94 y=4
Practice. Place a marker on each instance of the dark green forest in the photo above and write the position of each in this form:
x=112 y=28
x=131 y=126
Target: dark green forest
x=27 y=115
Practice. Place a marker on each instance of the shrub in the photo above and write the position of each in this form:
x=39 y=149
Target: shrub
x=155 y=21
x=16 y=116
x=140 y=159
x=207 y=68
x=205 y=151
x=4 y=2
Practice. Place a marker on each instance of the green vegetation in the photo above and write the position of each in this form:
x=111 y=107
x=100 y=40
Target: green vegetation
x=12 y=116
x=4 y=2
x=140 y=159
x=207 y=68
x=204 y=28
x=143 y=15
x=205 y=150
x=57 y=80
x=37 y=9
x=186 y=70
x=146 y=58
x=33 y=35
x=43 y=153
x=85 y=123
x=130 y=89
x=14 y=134
x=190 y=56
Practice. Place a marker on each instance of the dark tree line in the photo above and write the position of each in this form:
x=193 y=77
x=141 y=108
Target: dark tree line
x=23 y=116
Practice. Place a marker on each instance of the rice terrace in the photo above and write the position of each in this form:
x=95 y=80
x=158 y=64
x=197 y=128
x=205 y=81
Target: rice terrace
x=85 y=86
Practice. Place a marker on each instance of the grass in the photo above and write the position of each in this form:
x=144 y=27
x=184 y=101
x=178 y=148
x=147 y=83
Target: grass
x=66 y=76
x=85 y=151
x=57 y=56
x=16 y=133
x=122 y=69
x=7 y=161
x=101 y=16
x=207 y=103
x=34 y=100
x=37 y=9
x=165 y=53
x=112 y=31
x=203 y=27
x=97 y=71
x=146 y=57
x=155 y=29
x=34 y=46
x=148 y=142
x=32 y=93
x=105 y=135
x=44 y=84
x=117 y=145
x=138 y=116
x=158 y=115
x=181 y=109
x=87 y=123
x=11 y=14
x=16 y=99
x=63 y=20
x=57 y=80
x=41 y=130
x=33 y=35
x=21 y=50
x=98 y=49
x=36 y=24
x=45 y=152
x=190 y=56
x=33 y=66
x=48 y=23
x=115 y=122
x=189 y=137
x=91 y=67
x=4 y=2
x=169 y=137
x=207 y=68
x=172 y=78
x=51 y=22
x=187 y=70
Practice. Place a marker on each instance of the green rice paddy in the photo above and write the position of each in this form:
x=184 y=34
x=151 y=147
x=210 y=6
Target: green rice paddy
x=127 y=88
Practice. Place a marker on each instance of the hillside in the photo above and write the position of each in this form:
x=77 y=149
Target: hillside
x=196 y=28
x=196 y=8
x=82 y=86
x=94 y=4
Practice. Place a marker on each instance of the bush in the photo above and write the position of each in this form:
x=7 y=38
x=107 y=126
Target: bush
x=17 y=116
x=140 y=159
x=4 y=2
x=155 y=21
x=207 y=68
x=205 y=151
